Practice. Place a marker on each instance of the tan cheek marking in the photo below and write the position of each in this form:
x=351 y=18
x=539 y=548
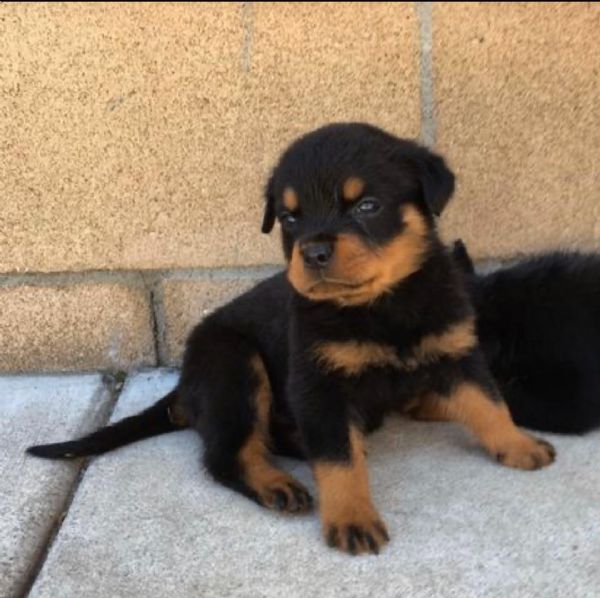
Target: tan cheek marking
x=404 y=255
x=396 y=261
x=352 y=259
x=353 y=357
x=354 y=262
x=290 y=199
x=296 y=273
x=353 y=188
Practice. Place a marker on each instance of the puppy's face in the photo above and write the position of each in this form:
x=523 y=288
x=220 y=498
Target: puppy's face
x=356 y=211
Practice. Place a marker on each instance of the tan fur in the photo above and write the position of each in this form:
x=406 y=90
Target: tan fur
x=359 y=274
x=259 y=473
x=263 y=396
x=353 y=188
x=491 y=423
x=353 y=357
x=290 y=199
x=428 y=409
x=457 y=341
x=345 y=496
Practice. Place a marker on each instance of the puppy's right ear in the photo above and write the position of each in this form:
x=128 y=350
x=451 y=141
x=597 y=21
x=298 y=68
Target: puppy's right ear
x=269 y=215
x=437 y=180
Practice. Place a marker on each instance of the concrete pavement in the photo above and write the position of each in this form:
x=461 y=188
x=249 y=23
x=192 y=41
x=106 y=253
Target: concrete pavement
x=34 y=493
x=147 y=521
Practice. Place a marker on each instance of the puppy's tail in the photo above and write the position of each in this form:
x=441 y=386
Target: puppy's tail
x=158 y=419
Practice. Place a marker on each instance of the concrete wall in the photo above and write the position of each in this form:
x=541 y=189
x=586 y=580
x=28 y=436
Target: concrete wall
x=135 y=140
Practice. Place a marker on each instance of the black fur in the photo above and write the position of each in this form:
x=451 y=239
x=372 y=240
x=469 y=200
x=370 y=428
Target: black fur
x=313 y=408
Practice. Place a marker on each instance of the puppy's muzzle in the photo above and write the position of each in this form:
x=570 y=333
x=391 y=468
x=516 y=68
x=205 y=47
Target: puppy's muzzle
x=316 y=254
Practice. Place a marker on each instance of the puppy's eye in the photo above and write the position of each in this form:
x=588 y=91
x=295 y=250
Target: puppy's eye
x=288 y=219
x=369 y=205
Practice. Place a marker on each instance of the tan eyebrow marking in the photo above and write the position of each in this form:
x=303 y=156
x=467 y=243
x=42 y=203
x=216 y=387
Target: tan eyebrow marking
x=290 y=199
x=352 y=189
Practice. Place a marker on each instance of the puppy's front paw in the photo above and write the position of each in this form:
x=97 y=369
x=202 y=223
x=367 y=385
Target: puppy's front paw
x=526 y=452
x=357 y=533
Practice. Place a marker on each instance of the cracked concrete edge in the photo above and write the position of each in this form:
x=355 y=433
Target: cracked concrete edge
x=112 y=385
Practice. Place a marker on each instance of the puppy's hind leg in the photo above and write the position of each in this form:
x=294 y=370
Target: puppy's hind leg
x=234 y=424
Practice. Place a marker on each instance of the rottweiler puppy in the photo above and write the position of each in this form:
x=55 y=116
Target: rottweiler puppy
x=370 y=317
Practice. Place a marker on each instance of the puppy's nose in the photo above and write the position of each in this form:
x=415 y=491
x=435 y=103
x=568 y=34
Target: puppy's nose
x=316 y=254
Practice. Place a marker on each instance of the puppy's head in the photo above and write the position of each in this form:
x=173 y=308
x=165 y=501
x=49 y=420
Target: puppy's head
x=356 y=208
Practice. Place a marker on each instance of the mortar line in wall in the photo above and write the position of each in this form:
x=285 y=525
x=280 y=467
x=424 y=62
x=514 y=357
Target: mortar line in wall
x=136 y=278
x=143 y=278
x=159 y=324
x=248 y=27
x=428 y=123
x=115 y=388
x=151 y=284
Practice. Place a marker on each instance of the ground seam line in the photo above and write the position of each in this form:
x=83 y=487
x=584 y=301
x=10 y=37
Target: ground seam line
x=115 y=388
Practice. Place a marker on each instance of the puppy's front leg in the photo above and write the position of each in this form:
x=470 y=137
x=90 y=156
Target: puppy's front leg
x=335 y=447
x=475 y=401
x=349 y=519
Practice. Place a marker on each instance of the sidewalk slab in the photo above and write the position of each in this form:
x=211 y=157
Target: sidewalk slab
x=33 y=493
x=147 y=521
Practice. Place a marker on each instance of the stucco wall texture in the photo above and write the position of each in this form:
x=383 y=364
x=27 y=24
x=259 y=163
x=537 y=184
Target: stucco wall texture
x=135 y=140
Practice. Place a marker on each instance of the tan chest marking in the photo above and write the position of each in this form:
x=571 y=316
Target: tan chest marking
x=353 y=357
x=455 y=342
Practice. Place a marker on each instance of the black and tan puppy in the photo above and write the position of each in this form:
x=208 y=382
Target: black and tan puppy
x=371 y=317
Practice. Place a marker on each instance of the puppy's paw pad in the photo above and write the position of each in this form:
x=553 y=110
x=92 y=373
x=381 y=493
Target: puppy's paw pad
x=357 y=537
x=527 y=453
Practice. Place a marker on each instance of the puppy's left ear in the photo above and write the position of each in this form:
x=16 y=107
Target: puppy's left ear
x=437 y=180
x=269 y=215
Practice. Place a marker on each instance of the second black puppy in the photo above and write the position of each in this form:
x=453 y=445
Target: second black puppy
x=371 y=318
